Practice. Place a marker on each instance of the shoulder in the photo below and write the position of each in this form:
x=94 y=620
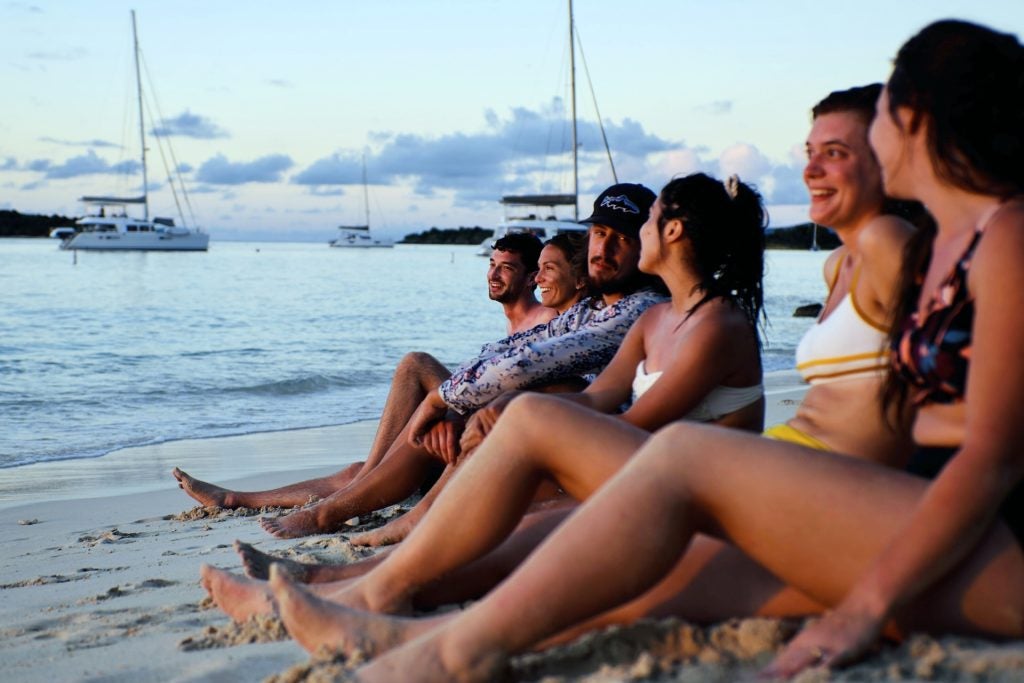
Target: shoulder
x=883 y=236
x=1001 y=249
x=723 y=319
x=831 y=267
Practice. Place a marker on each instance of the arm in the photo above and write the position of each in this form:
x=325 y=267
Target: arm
x=881 y=246
x=561 y=324
x=587 y=349
x=961 y=503
x=712 y=349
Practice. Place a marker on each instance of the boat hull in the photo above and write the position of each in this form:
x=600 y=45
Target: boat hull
x=114 y=241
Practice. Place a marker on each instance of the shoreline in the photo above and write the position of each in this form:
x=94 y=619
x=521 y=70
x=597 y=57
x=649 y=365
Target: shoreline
x=138 y=469
x=105 y=588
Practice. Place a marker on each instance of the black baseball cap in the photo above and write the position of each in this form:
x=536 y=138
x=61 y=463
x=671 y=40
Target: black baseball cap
x=623 y=207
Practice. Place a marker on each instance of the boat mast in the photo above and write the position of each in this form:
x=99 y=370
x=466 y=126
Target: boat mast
x=366 y=194
x=572 y=80
x=142 y=122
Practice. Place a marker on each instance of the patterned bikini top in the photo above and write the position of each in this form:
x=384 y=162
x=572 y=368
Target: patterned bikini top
x=934 y=354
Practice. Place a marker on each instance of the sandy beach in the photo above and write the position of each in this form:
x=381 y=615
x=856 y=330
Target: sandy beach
x=99 y=581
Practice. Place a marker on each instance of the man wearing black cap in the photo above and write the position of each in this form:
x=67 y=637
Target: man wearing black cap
x=578 y=343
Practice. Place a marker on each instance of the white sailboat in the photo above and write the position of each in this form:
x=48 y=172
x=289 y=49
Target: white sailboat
x=110 y=228
x=358 y=236
x=547 y=226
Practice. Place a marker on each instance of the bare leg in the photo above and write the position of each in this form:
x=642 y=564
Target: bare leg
x=395 y=479
x=318 y=624
x=211 y=495
x=256 y=565
x=397 y=529
x=693 y=478
x=494 y=489
x=416 y=375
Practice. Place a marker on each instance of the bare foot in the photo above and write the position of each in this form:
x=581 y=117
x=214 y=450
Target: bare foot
x=239 y=597
x=394 y=531
x=208 y=495
x=294 y=525
x=256 y=564
x=428 y=658
x=318 y=624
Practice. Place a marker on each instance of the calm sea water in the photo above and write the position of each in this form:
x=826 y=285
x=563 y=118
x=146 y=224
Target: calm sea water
x=125 y=349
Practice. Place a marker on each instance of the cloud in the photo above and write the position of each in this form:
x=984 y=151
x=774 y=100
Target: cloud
x=185 y=168
x=336 y=169
x=511 y=154
x=9 y=164
x=744 y=160
x=716 y=108
x=79 y=143
x=191 y=125
x=24 y=7
x=279 y=83
x=69 y=54
x=219 y=171
x=85 y=164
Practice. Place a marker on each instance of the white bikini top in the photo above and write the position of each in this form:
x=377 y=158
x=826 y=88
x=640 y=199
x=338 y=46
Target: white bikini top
x=718 y=403
x=845 y=345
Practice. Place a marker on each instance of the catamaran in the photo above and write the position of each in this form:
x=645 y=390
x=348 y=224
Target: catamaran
x=547 y=226
x=110 y=228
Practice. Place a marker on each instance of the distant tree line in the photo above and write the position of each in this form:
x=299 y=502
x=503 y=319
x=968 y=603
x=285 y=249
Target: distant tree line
x=800 y=237
x=795 y=237
x=474 y=235
x=14 y=224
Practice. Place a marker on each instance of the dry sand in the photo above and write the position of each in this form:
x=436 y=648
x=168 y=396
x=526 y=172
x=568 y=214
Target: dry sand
x=105 y=588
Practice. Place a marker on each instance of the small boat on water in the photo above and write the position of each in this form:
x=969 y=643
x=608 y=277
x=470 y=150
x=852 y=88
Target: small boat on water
x=358 y=236
x=543 y=226
x=110 y=228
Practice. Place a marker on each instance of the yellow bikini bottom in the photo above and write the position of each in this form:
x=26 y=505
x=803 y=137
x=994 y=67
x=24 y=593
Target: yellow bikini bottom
x=783 y=432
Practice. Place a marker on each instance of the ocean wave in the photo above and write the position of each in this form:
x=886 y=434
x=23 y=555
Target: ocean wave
x=296 y=386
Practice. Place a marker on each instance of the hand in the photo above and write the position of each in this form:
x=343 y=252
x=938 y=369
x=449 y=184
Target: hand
x=837 y=638
x=442 y=441
x=430 y=410
x=482 y=421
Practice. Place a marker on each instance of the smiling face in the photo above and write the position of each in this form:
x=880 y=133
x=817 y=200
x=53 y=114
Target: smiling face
x=842 y=174
x=559 y=288
x=611 y=258
x=507 y=276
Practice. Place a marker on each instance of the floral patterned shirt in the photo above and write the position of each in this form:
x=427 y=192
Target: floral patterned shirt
x=579 y=342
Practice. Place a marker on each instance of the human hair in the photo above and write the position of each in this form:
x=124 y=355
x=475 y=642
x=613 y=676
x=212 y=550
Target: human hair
x=725 y=228
x=573 y=248
x=965 y=83
x=525 y=244
x=858 y=100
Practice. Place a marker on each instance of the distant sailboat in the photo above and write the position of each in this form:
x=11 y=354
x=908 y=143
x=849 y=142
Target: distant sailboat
x=358 y=236
x=110 y=228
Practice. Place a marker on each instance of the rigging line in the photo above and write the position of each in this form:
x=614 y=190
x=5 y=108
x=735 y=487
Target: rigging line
x=593 y=96
x=176 y=174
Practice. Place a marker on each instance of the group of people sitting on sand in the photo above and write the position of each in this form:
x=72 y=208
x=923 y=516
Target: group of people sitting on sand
x=891 y=501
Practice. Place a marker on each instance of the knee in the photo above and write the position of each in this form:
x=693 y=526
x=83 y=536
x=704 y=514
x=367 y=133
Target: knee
x=415 y=360
x=678 y=447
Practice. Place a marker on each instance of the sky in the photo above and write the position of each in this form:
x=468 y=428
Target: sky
x=271 y=108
